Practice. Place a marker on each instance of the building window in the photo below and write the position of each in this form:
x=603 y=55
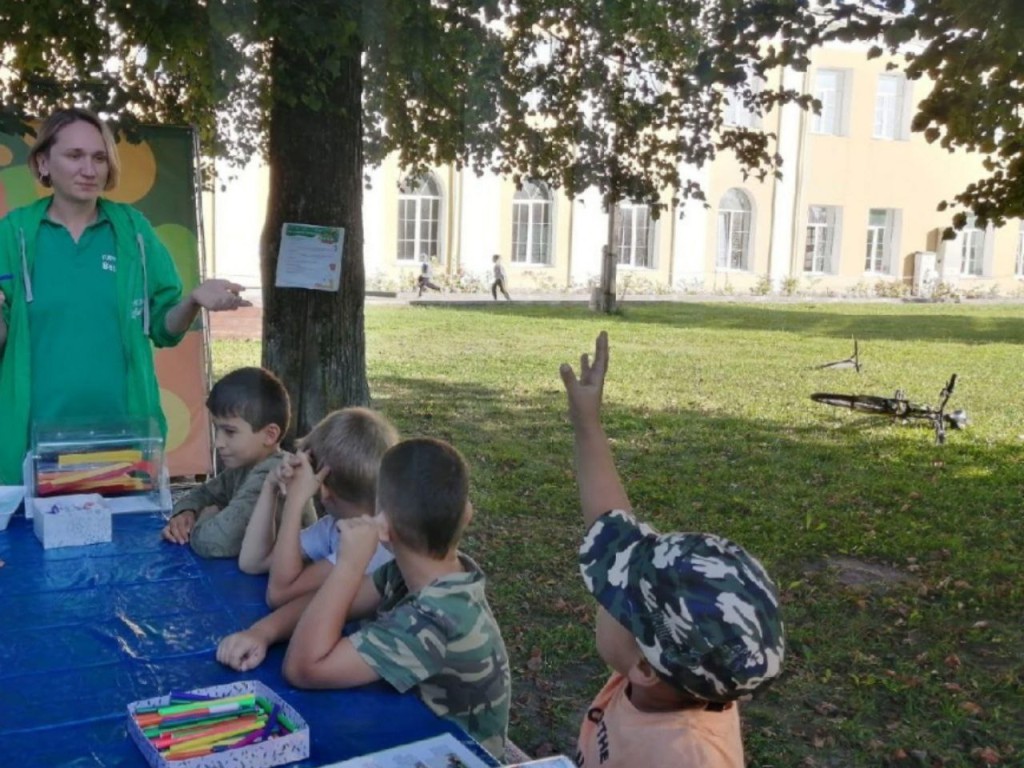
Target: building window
x=419 y=218
x=972 y=249
x=1019 y=269
x=633 y=235
x=738 y=114
x=829 y=89
x=531 y=224
x=881 y=235
x=733 y=231
x=890 y=101
x=822 y=237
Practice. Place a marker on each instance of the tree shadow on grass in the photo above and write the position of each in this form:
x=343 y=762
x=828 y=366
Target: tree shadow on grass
x=794 y=495
x=975 y=324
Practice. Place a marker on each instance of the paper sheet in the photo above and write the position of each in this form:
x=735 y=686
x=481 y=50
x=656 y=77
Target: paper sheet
x=443 y=751
x=310 y=257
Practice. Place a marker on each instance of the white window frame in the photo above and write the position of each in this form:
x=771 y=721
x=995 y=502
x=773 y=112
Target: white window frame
x=419 y=203
x=891 y=107
x=1019 y=267
x=971 y=249
x=821 y=247
x=532 y=209
x=736 y=113
x=735 y=224
x=626 y=239
x=881 y=242
x=831 y=120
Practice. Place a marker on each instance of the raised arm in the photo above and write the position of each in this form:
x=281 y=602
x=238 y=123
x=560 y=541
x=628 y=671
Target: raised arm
x=258 y=541
x=600 y=487
x=318 y=656
x=221 y=534
x=287 y=564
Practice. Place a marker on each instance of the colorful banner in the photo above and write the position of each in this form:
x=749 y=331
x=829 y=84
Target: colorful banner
x=158 y=176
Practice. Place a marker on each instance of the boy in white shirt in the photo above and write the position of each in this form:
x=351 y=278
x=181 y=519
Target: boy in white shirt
x=339 y=460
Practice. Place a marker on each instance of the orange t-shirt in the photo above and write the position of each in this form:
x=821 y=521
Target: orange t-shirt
x=615 y=734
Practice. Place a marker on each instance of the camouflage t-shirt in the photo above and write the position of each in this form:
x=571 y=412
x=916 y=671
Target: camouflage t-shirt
x=444 y=641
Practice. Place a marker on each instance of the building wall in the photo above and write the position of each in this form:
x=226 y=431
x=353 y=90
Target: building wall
x=854 y=172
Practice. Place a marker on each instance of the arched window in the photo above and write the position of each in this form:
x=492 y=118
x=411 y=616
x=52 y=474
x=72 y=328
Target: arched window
x=733 y=231
x=419 y=218
x=633 y=234
x=531 y=224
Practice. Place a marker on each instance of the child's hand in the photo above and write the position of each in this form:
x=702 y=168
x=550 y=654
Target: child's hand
x=585 y=392
x=301 y=479
x=359 y=538
x=242 y=651
x=179 y=528
x=278 y=477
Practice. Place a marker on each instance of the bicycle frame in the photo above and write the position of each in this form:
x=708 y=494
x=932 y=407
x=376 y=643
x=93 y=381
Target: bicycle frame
x=899 y=407
x=853 y=361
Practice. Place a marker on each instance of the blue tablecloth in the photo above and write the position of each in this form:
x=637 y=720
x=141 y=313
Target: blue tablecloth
x=84 y=631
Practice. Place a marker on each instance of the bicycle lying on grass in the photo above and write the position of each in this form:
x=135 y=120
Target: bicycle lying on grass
x=899 y=407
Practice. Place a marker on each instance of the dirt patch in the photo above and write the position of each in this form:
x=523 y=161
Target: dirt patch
x=862 y=575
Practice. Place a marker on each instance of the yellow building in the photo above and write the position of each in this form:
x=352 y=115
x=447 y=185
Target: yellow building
x=855 y=212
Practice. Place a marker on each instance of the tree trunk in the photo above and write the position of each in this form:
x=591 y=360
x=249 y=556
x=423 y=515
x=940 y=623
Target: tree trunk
x=315 y=340
x=603 y=299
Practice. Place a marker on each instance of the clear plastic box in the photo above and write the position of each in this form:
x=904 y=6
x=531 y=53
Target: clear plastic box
x=118 y=461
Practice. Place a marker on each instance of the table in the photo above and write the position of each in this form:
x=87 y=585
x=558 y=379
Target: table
x=84 y=631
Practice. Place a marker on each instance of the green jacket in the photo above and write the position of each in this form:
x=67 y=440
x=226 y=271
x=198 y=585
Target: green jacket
x=147 y=287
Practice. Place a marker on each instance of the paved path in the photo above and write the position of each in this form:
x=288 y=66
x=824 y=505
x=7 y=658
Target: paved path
x=247 y=322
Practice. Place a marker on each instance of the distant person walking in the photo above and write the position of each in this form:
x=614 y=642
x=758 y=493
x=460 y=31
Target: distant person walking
x=499 y=278
x=424 y=280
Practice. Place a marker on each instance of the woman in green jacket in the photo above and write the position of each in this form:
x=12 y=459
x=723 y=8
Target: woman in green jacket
x=85 y=286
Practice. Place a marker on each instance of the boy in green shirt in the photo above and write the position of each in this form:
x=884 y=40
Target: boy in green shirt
x=251 y=410
x=429 y=626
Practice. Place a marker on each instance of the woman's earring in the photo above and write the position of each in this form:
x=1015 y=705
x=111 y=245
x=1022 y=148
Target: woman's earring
x=44 y=179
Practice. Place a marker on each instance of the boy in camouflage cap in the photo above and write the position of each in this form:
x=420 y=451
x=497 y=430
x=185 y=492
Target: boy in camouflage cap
x=689 y=622
x=431 y=627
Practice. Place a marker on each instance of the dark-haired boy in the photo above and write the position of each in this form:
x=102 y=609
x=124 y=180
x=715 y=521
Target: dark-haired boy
x=251 y=410
x=688 y=622
x=432 y=628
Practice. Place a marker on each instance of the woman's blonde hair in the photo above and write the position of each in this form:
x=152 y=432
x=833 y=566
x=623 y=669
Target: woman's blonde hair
x=55 y=123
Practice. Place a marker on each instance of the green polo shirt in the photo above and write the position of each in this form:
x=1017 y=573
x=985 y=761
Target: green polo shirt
x=76 y=333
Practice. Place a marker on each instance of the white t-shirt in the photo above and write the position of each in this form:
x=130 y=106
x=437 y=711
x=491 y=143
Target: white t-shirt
x=321 y=541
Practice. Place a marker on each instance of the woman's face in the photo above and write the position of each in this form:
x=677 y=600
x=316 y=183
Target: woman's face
x=77 y=163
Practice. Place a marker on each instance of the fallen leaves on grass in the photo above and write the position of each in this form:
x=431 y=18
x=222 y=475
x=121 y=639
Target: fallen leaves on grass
x=971 y=708
x=986 y=755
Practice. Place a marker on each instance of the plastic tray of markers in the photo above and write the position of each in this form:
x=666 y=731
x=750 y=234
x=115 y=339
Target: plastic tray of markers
x=239 y=725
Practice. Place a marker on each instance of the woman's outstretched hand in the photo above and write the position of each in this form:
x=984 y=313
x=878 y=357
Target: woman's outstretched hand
x=216 y=295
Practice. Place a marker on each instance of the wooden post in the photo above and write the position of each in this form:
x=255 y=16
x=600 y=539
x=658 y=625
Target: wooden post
x=603 y=297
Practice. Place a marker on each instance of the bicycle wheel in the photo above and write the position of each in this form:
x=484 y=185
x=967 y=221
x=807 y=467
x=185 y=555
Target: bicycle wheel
x=862 y=403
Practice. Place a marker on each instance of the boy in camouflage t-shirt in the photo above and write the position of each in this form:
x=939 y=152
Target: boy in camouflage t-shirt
x=432 y=629
x=688 y=622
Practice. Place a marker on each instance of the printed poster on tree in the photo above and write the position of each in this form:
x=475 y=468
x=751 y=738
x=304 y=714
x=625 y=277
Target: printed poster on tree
x=310 y=257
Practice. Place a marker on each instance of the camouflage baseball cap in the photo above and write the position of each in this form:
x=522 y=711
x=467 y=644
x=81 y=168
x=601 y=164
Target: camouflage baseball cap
x=704 y=612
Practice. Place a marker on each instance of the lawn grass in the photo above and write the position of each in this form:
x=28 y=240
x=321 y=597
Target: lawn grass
x=899 y=561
